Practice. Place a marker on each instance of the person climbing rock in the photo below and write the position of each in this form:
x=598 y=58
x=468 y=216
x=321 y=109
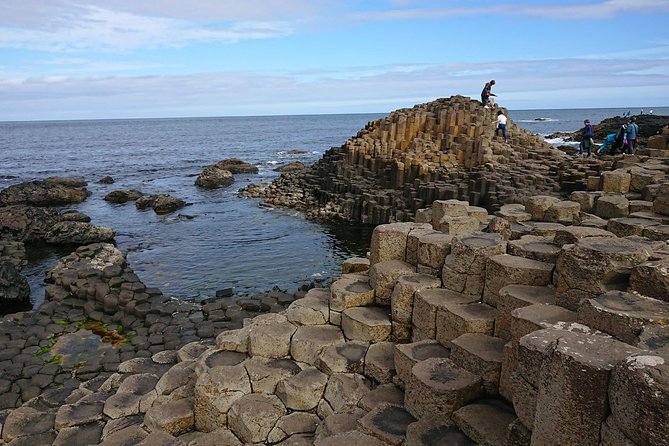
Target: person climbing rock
x=501 y=125
x=486 y=93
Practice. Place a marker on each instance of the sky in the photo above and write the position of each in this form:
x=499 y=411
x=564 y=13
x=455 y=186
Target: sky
x=98 y=59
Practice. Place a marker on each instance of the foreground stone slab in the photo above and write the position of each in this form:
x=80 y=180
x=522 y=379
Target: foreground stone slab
x=438 y=388
x=303 y=391
x=215 y=392
x=437 y=430
x=571 y=234
x=366 y=324
x=384 y=275
x=623 y=315
x=355 y=265
x=537 y=206
x=291 y=424
x=271 y=340
x=651 y=279
x=464 y=269
x=486 y=421
x=385 y=393
x=349 y=293
x=348 y=357
x=535 y=247
x=427 y=303
x=345 y=390
x=252 y=417
x=175 y=417
x=505 y=270
x=433 y=249
x=352 y=437
x=639 y=396
x=389 y=241
x=380 y=362
x=308 y=311
x=572 y=401
x=265 y=373
x=518 y=296
x=309 y=340
x=456 y=320
x=596 y=265
x=388 y=423
x=480 y=354
x=339 y=423
x=407 y=355
x=26 y=421
x=402 y=302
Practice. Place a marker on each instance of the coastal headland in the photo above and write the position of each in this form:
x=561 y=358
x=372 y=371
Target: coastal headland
x=512 y=295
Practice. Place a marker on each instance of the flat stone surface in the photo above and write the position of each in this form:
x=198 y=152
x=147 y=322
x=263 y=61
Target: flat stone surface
x=438 y=387
x=486 y=421
x=385 y=393
x=623 y=315
x=388 y=423
x=348 y=357
x=456 y=320
x=352 y=437
x=383 y=276
x=380 y=362
x=344 y=390
x=436 y=431
x=175 y=417
x=427 y=303
x=518 y=296
x=349 y=293
x=309 y=340
x=367 y=324
x=26 y=421
x=265 y=373
x=407 y=355
x=252 y=417
x=303 y=391
x=480 y=354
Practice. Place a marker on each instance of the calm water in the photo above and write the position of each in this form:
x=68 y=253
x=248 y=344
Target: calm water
x=230 y=241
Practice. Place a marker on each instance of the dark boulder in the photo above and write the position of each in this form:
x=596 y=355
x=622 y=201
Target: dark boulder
x=43 y=193
x=75 y=216
x=14 y=289
x=78 y=233
x=26 y=223
x=161 y=204
x=213 y=177
x=236 y=165
x=122 y=196
x=291 y=167
x=106 y=180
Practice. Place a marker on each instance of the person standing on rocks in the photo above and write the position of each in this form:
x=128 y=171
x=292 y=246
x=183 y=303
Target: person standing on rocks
x=586 y=138
x=501 y=125
x=632 y=136
x=486 y=93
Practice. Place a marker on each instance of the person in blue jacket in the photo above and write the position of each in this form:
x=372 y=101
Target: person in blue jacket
x=587 y=133
x=632 y=136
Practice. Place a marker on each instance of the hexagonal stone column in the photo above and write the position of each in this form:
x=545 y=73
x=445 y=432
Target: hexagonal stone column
x=252 y=417
x=271 y=340
x=429 y=431
x=309 y=340
x=348 y=357
x=596 y=265
x=573 y=379
x=407 y=355
x=383 y=277
x=349 y=293
x=623 y=315
x=651 y=279
x=456 y=320
x=535 y=247
x=402 y=300
x=517 y=296
x=387 y=422
x=367 y=324
x=303 y=391
x=503 y=270
x=480 y=354
x=438 y=388
x=464 y=268
x=215 y=392
x=426 y=304
x=389 y=241
x=639 y=398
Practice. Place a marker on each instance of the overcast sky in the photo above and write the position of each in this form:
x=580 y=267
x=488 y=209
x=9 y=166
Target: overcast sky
x=81 y=59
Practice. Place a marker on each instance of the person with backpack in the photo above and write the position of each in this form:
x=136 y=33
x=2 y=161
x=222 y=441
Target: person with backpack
x=632 y=136
x=587 y=133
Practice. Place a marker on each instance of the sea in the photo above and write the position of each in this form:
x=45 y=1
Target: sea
x=219 y=241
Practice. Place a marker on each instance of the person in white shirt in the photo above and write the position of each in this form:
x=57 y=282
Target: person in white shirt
x=501 y=125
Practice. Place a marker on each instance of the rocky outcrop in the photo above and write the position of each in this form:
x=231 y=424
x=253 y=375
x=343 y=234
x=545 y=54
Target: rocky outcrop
x=221 y=174
x=291 y=167
x=14 y=288
x=26 y=223
x=212 y=177
x=78 y=233
x=441 y=150
x=161 y=204
x=50 y=192
x=122 y=196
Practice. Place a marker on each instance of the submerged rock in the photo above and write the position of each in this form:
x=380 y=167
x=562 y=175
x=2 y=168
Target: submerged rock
x=213 y=177
x=235 y=165
x=123 y=196
x=161 y=204
x=79 y=233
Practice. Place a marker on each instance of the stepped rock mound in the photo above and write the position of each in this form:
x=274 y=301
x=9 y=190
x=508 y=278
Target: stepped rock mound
x=445 y=149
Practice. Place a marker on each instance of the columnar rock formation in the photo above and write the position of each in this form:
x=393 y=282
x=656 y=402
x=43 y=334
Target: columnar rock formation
x=445 y=149
x=545 y=324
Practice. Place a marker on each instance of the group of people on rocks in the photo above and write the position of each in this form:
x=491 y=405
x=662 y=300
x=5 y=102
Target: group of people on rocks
x=487 y=101
x=624 y=140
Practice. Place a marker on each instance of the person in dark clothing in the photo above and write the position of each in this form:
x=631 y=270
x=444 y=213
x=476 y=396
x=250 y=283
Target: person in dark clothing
x=586 y=138
x=486 y=93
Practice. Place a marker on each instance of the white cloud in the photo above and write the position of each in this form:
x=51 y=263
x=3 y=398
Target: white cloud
x=528 y=84
x=559 y=11
x=101 y=28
